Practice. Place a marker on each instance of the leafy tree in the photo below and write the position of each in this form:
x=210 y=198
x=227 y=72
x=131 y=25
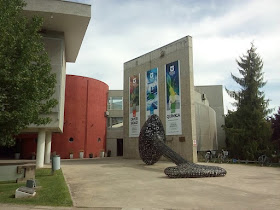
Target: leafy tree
x=275 y=120
x=247 y=130
x=26 y=81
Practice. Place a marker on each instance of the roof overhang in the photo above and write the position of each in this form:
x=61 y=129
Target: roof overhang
x=70 y=18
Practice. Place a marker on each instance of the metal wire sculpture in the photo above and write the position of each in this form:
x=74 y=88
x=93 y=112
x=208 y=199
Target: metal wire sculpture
x=152 y=146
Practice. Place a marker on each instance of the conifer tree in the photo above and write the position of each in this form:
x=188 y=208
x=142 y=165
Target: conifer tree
x=247 y=129
x=275 y=120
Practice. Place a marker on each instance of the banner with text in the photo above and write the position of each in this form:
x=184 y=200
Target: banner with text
x=134 y=106
x=152 y=92
x=173 y=99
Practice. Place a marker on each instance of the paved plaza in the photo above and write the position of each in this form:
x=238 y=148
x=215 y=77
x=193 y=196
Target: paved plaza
x=116 y=183
x=123 y=183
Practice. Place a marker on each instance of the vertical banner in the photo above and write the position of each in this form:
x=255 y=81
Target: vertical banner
x=134 y=106
x=173 y=99
x=152 y=92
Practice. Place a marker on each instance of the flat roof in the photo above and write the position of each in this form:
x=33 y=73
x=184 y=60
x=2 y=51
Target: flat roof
x=71 y=18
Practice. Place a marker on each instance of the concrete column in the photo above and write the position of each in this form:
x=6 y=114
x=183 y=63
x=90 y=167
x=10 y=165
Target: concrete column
x=48 y=147
x=40 y=149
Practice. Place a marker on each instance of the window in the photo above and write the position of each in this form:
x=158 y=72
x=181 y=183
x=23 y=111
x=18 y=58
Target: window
x=115 y=122
x=115 y=103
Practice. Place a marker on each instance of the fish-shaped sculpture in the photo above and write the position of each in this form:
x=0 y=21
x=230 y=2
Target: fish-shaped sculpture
x=152 y=146
x=151 y=130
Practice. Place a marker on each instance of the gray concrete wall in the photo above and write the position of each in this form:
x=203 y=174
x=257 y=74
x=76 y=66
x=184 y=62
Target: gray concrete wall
x=72 y=18
x=64 y=27
x=214 y=94
x=55 y=47
x=179 y=50
x=114 y=133
x=206 y=130
x=114 y=113
x=111 y=141
x=117 y=93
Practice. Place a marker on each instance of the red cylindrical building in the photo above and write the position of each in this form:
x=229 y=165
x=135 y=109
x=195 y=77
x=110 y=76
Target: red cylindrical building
x=84 y=120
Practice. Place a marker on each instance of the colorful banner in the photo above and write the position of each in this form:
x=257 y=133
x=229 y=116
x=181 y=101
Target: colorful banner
x=134 y=106
x=173 y=99
x=152 y=92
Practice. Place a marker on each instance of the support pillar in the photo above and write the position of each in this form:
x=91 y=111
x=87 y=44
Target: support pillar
x=40 y=149
x=48 y=147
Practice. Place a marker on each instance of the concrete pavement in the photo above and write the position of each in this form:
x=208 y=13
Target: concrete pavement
x=116 y=183
x=30 y=207
x=123 y=183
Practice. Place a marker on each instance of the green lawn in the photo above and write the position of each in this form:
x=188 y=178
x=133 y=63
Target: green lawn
x=51 y=190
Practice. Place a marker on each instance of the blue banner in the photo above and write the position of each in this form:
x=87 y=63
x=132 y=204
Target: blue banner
x=152 y=92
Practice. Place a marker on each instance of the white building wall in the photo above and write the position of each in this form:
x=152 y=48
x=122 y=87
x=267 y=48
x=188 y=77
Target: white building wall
x=214 y=94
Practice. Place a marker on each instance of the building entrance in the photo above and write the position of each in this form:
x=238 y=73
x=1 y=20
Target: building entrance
x=119 y=147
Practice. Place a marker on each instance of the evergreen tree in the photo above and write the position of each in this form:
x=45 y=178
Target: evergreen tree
x=247 y=129
x=275 y=120
x=26 y=81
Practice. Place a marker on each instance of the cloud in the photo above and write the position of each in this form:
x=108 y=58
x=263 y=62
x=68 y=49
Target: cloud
x=222 y=31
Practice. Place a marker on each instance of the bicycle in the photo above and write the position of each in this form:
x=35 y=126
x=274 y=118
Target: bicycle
x=210 y=156
x=223 y=156
x=207 y=156
x=264 y=160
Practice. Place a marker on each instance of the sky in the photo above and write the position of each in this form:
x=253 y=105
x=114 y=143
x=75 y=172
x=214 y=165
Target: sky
x=221 y=31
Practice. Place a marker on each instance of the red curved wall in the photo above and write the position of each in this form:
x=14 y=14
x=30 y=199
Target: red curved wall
x=28 y=145
x=84 y=120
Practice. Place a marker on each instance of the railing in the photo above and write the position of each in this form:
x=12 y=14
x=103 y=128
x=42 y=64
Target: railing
x=222 y=157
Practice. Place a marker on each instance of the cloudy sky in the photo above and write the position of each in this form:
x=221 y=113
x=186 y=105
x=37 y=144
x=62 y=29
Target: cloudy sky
x=222 y=30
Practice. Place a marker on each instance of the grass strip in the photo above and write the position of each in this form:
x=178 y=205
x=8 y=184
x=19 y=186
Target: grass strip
x=51 y=190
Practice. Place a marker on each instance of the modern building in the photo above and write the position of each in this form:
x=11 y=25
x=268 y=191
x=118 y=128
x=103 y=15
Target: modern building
x=90 y=107
x=84 y=120
x=161 y=82
x=214 y=95
x=90 y=118
x=114 y=140
x=84 y=127
x=209 y=119
x=64 y=27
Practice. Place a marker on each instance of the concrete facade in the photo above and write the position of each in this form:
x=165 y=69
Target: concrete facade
x=206 y=129
x=205 y=118
x=114 y=133
x=63 y=30
x=214 y=94
x=70 y=18
x=55 y=47
x=179 y=50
